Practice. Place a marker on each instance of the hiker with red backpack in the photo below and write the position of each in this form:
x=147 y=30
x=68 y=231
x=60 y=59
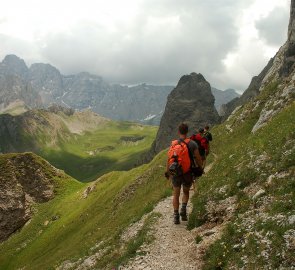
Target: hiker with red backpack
x=184 y=162
x=203 y=144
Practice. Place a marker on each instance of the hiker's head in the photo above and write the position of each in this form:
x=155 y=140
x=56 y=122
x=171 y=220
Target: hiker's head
x=201 y=130
x=183 y=129
x=206 y=128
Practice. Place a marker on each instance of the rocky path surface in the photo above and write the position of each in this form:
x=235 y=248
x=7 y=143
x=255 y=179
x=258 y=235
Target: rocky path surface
x=174 y=246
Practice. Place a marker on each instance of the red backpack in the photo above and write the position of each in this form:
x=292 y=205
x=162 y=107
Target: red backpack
x=178 y=157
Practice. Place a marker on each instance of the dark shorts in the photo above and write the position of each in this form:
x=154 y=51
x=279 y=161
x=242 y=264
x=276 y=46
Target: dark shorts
x=185 y=180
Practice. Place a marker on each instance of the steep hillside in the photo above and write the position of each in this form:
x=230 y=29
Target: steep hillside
x=251 y=187
x=83 y=144
x=25 y=179
x=82 y=226
x=192 y=102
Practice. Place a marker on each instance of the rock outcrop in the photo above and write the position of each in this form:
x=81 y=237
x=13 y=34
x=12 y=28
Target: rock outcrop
x=191 y=102
x=25 y=179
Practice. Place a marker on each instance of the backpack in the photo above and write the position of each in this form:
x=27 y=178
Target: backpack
x=179 y=157
x=199 y=140
x=208 y=136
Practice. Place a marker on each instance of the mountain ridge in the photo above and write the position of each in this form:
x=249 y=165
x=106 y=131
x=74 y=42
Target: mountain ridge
x=44 y=85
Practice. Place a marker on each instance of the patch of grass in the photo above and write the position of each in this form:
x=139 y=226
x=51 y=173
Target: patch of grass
x=198 y=239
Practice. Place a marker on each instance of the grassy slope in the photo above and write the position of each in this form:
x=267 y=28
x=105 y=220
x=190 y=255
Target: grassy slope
x=73 y=155
x=236 y=162
x=83 y=223
x=48 y=135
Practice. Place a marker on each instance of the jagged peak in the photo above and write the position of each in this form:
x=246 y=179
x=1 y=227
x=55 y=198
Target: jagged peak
x=15 y=64
x=198 y=77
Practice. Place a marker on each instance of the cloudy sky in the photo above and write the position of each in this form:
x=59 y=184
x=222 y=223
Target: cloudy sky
x=153 y=41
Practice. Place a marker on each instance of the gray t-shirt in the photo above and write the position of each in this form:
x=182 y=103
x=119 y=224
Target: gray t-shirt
x=192 y=145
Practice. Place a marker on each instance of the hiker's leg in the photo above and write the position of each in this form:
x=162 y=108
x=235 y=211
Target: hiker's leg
x=176 y=195
x=188 y=181
x=185 y=196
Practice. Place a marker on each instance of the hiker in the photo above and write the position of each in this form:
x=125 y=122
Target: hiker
x=203 y=144
x=183 y=161
x=208 y=134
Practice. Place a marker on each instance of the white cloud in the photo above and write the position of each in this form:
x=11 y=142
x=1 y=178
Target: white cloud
x=153 y=41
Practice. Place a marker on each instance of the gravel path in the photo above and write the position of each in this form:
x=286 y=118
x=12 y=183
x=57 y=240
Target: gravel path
x=174 y=246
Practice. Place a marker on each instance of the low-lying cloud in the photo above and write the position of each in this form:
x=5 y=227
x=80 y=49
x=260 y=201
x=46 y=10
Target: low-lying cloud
x=162 y=41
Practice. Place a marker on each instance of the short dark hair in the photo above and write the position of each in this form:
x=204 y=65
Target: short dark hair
x=183 y=129
x=201 y=130
x=207 y=127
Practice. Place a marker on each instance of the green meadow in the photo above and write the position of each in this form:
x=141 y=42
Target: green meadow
x=116 y=146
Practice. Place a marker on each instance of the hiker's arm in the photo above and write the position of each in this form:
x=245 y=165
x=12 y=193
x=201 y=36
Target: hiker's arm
x=198 y=158
x=167 y=170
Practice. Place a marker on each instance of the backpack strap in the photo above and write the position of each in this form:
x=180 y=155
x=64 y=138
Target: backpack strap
x=191 y=156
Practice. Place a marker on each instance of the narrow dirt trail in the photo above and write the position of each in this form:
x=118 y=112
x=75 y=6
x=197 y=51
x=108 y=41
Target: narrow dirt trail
x=174 y=246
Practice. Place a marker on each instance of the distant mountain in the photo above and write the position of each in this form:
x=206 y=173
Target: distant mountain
x=14 y=83
x=42 y=85
x=223 y=97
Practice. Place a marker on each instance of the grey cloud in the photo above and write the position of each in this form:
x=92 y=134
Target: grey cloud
x=273 y=28
x=10 y=45
x=200 y=39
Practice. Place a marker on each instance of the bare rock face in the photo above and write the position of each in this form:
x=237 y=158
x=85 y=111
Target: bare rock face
x=24 y=180
x=289 y=54
x=191 y=102
x=14 y=84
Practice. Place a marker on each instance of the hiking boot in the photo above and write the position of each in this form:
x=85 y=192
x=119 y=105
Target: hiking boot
x=176 y=218
x=183 y=214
